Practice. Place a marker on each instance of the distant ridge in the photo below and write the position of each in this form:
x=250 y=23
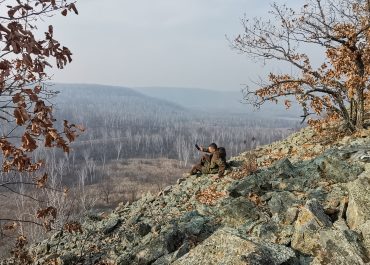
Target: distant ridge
x=106 y=93
x=175 y=99
x=216 y=101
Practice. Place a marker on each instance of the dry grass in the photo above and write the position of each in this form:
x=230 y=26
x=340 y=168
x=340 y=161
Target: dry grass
x=130 y=179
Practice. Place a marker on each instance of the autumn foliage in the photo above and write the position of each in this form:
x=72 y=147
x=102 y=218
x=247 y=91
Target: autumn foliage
x=335 y=88
x=26 y=114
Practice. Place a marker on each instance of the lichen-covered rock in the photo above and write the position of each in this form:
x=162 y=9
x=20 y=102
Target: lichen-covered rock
x=227 y=247
x=110 y=224
x=340 y=247
x=68 y=259
x=311 y=220
x=152 y=251
x=235 y=212
x=125 y=259
x=280 y=202
x=331 y=167
x=285 y=168
x=257 y=183
x=291 y=215
x=364 y=229
x=143 y=229
x=359 y=201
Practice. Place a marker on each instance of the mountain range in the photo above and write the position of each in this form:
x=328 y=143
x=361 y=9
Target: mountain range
x=177 y=99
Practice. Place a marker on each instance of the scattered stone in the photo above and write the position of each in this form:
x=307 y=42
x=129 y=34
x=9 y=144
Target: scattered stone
x=167 y=189
x=143 y=229
x=285 y=168
x=291 y=215
x=68 y=259
x=111 y=224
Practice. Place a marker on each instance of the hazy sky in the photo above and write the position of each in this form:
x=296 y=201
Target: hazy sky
x=176 y=43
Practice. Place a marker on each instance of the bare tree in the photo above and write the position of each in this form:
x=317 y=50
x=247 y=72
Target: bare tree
x=118 y=147
x=339 y=30
x=106 y=188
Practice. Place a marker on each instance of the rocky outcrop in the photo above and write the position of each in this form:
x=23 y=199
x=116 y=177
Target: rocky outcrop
x=359 y=201
x=311 y=220
x=340 y=247
x=226 y=246
x=293 y=211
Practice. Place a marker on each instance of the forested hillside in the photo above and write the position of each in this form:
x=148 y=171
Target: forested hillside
x=126 y=124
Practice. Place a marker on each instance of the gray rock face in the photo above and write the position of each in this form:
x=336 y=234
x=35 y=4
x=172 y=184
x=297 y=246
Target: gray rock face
x=332 y=168
x=259 y=183
x=235 y=212
x=311 y=220
x=68 y=259
x=359 y=201
x=226 y=247
x=285 y=168
x=364 y=229
x=341 y=248
x=280 y=202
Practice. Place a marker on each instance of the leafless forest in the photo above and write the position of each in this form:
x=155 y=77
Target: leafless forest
x=133 y=144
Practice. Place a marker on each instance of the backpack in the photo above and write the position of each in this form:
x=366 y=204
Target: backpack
x=222 y=152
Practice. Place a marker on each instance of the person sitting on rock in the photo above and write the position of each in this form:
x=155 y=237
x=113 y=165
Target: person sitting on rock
x=213 y=162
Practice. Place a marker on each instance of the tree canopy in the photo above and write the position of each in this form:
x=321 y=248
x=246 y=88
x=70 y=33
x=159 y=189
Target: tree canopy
x=338 y=87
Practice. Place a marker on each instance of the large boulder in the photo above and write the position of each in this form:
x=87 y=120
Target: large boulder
x=340 y=247
x=236 y=212
x=365 y=232
x=358 y=211
x=259 y=184
x=280 y=202
x=111 y=224
x=311 y=220
x=227 y=247
x=152 y=251
x=284 y=168
x=333 y=168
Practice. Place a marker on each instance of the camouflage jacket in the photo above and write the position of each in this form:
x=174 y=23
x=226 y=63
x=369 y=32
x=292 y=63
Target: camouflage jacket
x=217 y=160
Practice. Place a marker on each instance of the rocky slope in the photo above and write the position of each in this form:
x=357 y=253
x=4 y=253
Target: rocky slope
x=292 y=202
